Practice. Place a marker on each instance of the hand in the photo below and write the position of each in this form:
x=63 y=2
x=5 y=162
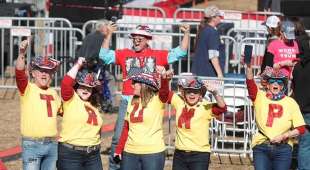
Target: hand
x=112 y=27
x=23 y=47
x=80 y=62
x=160 y=69
x=168 y=74
x=280 y=138
x=185 y=28
x=117 y=157
x=210 y=87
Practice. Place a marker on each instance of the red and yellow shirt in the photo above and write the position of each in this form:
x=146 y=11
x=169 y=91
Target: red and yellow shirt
x=81 y=123
x=145 y=133
x=192 y=125
x=39 y=108
x=273 y=118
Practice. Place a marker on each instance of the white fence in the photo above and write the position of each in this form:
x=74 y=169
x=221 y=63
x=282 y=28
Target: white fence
x=52 y=38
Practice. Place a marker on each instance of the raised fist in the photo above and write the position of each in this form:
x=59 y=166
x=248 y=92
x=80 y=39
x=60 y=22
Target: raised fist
x=23 y=47
x=185 y=28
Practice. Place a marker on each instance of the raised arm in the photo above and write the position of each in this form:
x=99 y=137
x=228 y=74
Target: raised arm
x=68 y=82
x=219 y=99
x=252 y=88
x=177 y=53
x=107 y=55
x=110 y=29
x=164 y=93
x=20 y=62
x=20 y=68
x=185 y=28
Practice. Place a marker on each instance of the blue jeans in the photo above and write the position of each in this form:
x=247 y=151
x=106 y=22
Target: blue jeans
x=69 y=159
x=272 y=157
x=131 y=161
x=38 y=155
x=117 y=132
x=183 y=160
x=304 y=147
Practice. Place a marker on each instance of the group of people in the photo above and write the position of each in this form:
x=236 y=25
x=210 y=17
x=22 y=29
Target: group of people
x=77 y=144
x=138 y=141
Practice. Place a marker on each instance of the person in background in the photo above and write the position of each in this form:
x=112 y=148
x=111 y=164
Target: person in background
x=141 y=146
x=209 y=58
x=301 y=93
x=92 y=42
x=39 y=108
x=266 y=5
x=278 y=119
x=302 y=38
x=90 y=50
x=193 y=116
x=79 y=142
x=282 y=53
x=273 y=25
x=140 y=50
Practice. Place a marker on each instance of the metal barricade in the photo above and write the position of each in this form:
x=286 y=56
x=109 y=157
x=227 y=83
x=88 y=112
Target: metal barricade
x=241 y=19
x=240 y=33
x=148 y=12
x=61 y=45
x=230 y=53
x=232 y=132
x=35 y=22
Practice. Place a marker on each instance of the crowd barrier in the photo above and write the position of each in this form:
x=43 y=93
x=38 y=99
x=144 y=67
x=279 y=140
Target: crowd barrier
x=35 y=22
x=58 y=42
x=241 y=19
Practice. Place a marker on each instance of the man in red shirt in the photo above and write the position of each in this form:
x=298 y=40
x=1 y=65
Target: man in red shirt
x=137 y=56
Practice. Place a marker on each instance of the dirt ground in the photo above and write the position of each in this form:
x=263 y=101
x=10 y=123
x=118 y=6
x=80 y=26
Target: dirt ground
x=10 y=137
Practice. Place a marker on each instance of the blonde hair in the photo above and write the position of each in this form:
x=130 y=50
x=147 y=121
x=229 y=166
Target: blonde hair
x=146 y=94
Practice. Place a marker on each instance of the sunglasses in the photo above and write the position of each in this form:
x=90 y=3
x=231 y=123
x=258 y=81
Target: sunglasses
x=194 y=91
x=278 y=81
x=138 y=39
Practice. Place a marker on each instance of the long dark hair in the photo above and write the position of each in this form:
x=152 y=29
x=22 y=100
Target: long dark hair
x=299 y=26
x=95 y=97
x=203 y=23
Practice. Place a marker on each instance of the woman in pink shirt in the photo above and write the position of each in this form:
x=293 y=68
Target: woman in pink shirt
x=282 y=53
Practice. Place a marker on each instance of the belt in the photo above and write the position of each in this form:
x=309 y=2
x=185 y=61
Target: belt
x=267 y=142
x=43 y=139
x=188 y=151
x=87 y=149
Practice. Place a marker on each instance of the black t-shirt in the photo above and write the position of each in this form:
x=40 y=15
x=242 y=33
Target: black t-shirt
x=301 y=84
x=91 y=45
